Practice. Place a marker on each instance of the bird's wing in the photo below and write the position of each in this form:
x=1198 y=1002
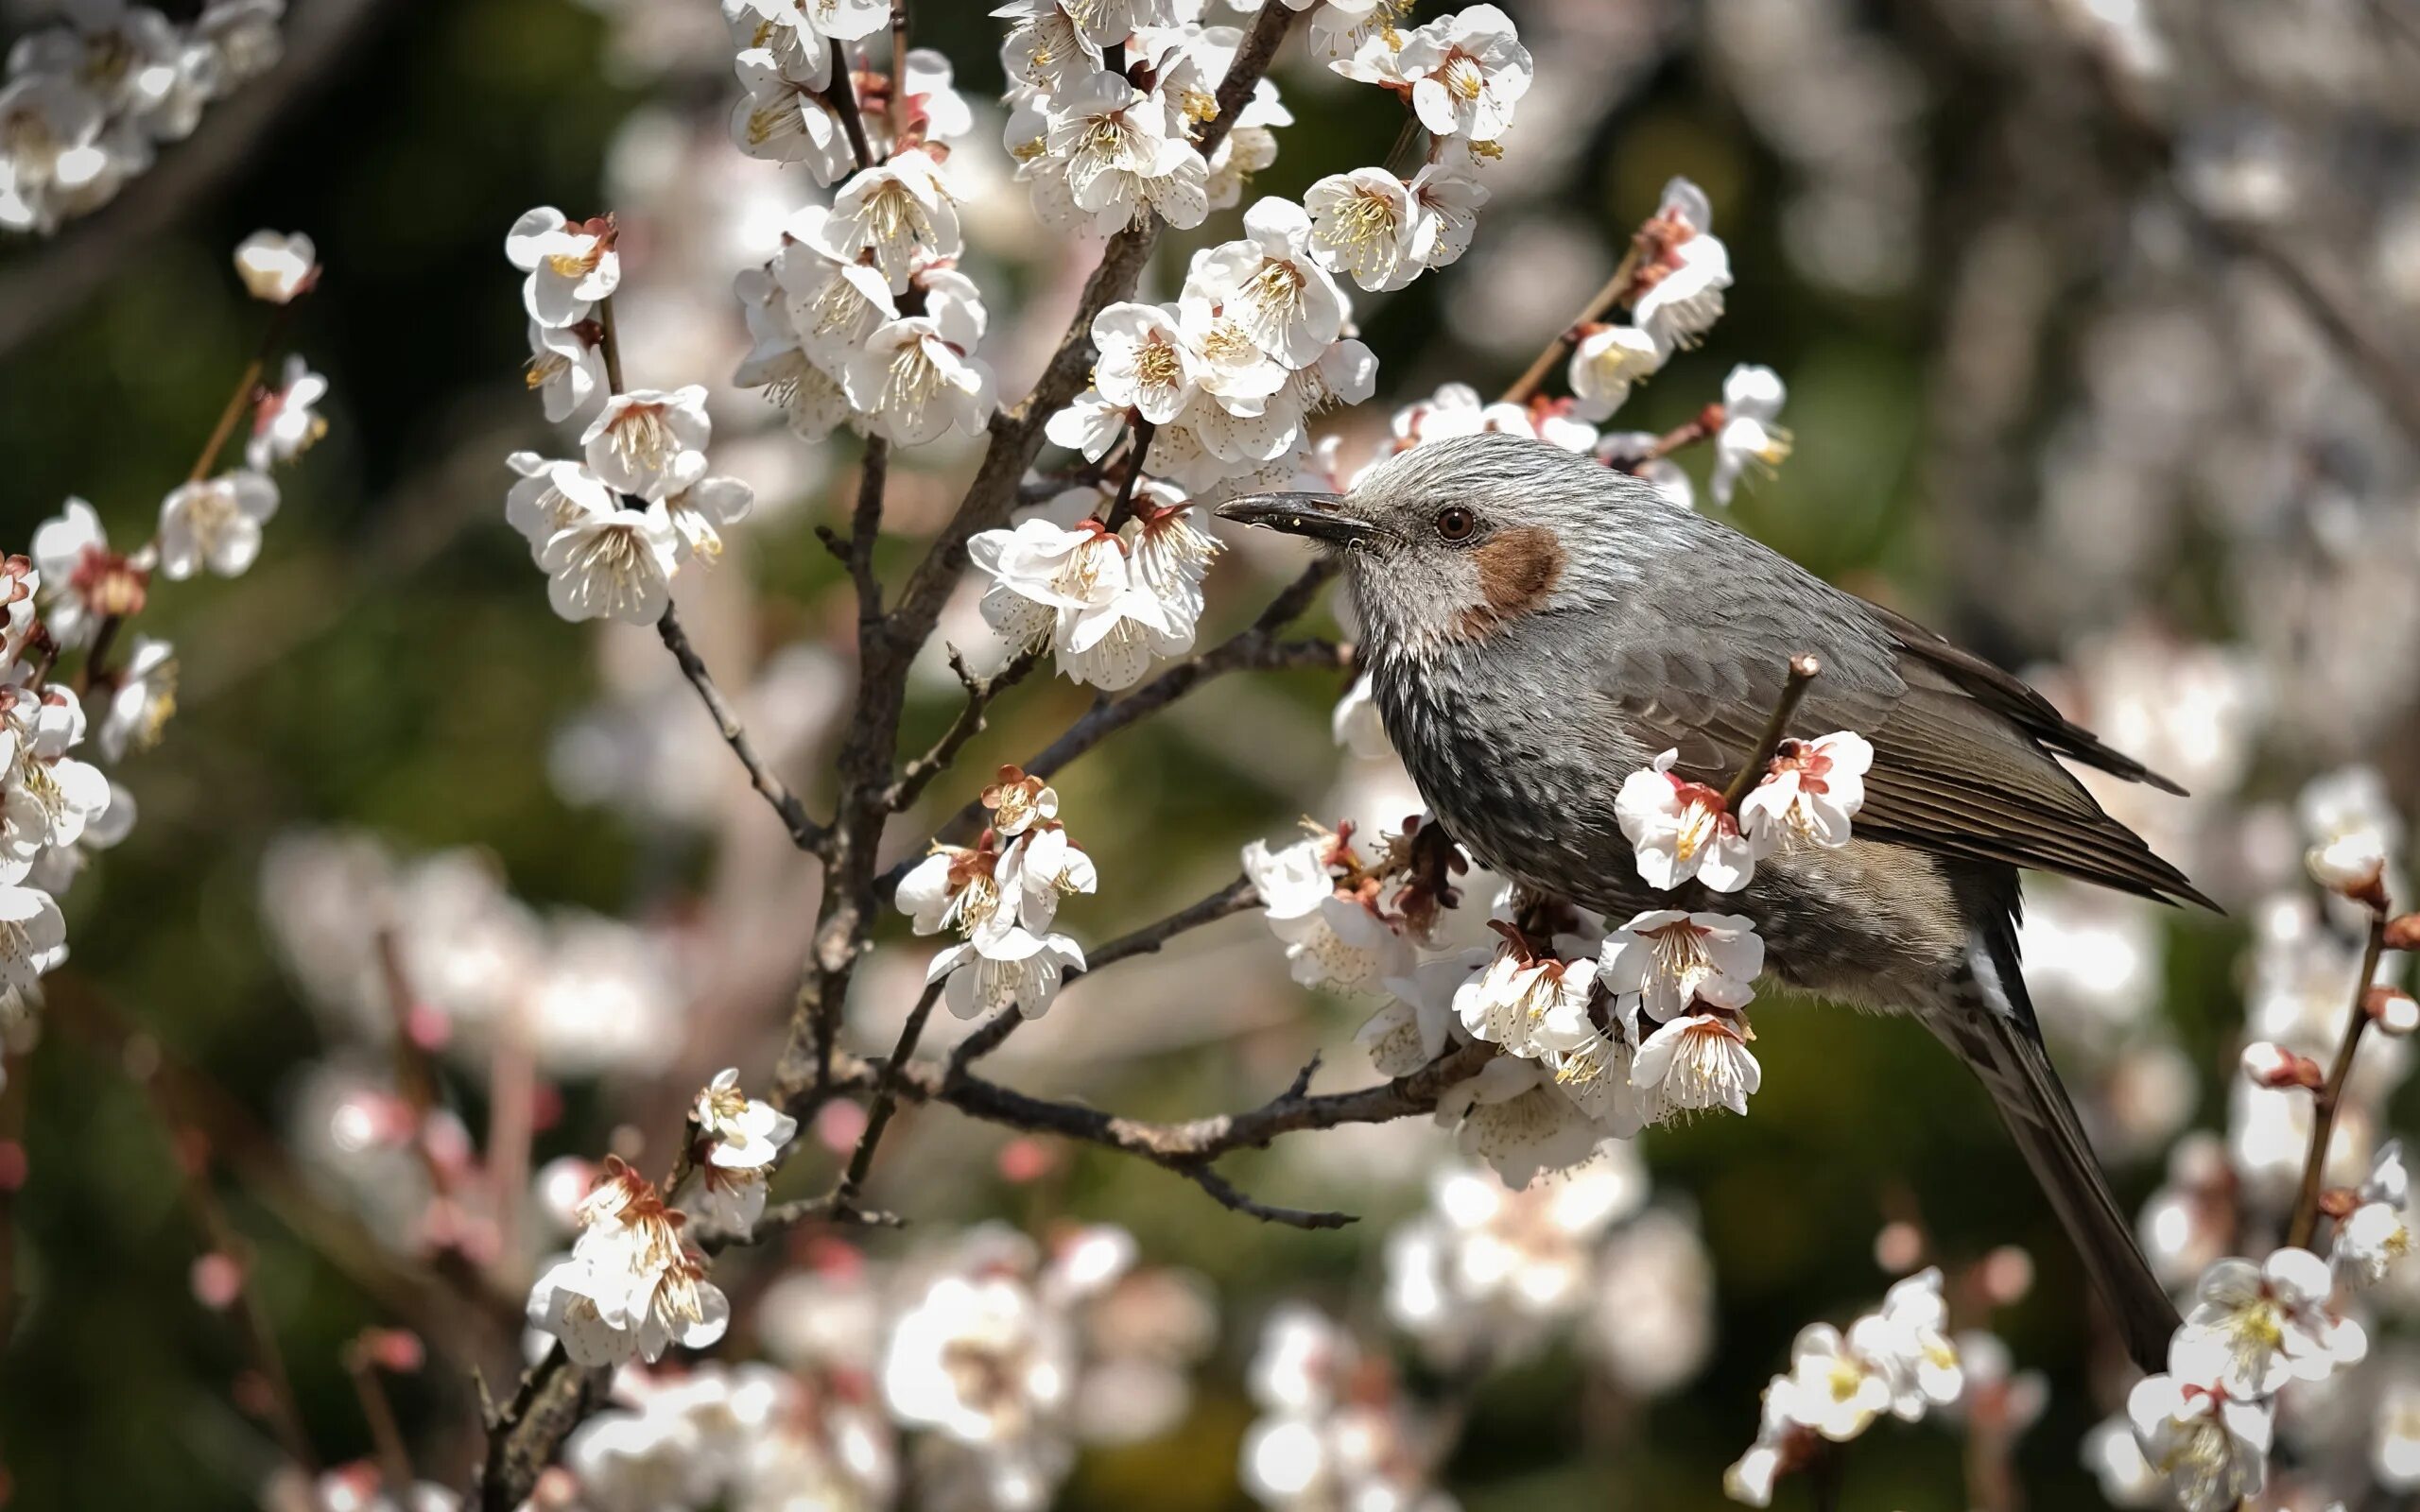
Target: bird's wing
x=1963 y=752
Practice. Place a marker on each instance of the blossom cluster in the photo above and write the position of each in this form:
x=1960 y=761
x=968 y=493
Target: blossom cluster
x=1336 y=1427
x=1604 y=1029
x=73 y=596
x=1897 y=1359
x=611 y=529
x=1108 y=604
x=88 y=101
x=1001 y=895
x=632 y=1286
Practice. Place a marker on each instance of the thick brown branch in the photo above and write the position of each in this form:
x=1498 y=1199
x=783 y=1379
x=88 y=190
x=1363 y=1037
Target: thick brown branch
x=554 y=1395
x=805 y=833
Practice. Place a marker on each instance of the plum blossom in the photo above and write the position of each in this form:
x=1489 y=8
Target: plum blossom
x=215 y=524
x=2376 y=1234
x=1333 y=940
x=33 y=937
x=1749 y=439
x=1507 y=1004
x=1445 y=202
x=274 y=267
x=700 y=512
x=141 y=696
x=1122 y=151
x=1680 y=829
x=1271 y=283
x=605 y=562
x=983 y=1360
x=915 y=379
x=650 y=442
x=1695 y=1063
x=782 y=117
x=1812 y=790
x=1665 y=960
x=567 y=368
x=1466 y=70
x=1077 y=591
x=570 y=266
x=2270 y=1324
x=1678 y=292
x=1908 y=1338
x=1145 y=363
x=1362 y=225
x=1608 y=362
x=285 y=422
x=1514 y=1116
x=1831 y=1388
x=87 y=582
x=631 y=1288
x=2211 y=1447
x=896 y=211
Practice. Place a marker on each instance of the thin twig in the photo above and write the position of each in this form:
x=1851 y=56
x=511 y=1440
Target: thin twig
x=1559 y=351
x=1233 y=898
x=980 y=692
x=395 y=1459
x=805 y=833
x=1254 y=649
x=885 y=1097
x=2330 y=1095
x=1803 y=669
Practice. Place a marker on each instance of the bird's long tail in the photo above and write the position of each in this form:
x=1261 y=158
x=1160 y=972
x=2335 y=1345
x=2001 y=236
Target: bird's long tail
x=1992 y=1030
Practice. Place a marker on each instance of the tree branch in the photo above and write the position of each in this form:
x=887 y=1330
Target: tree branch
x=805 y=833
x=979 y=694
x=1803 y=669
x=2330 y=1095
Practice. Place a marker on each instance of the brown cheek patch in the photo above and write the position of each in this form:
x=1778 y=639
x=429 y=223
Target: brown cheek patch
x=1517 y=569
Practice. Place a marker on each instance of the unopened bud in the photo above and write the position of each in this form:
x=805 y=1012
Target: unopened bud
x=2339 y=1202
x=2354 y=865
x=2403 y=932
x=2391 y=1009
x=1899 y=1247
x=2270 y=1064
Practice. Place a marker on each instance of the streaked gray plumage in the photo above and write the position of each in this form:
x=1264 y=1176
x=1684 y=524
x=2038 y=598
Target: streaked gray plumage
x=1582 y=625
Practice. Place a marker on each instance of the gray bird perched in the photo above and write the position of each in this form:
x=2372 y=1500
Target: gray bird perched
x=1537 y=627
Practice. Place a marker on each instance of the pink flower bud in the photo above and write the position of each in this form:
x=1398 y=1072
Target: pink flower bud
x=2393 y=1010
x=218 y=1280
x=2270 y=1064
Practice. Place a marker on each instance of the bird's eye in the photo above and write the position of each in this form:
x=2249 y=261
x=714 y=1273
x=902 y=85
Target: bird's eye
x=1454 y=523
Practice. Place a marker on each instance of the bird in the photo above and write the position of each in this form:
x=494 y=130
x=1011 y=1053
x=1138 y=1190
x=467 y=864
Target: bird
x=1536 y=626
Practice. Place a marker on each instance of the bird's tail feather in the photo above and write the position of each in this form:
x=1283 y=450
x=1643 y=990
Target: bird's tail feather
x=1993 y=1033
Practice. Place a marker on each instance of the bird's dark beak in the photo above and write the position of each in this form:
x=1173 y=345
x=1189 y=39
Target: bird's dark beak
x=1321 y=516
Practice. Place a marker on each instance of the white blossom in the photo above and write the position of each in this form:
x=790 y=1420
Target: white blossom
x=142 y=695
x=275 y=267
x=609 y=562
x=783 y=118
x=1606 y=364
x=2376 y=1234
x=1466 y=70
x=1022 y=968
x=650 y=442
x=1692 y=1064
x=1445 y=202
x=2212 y=1448
x=285 y=422
x=1680 y=829
x=1749 y=439
x=1812 y=791
x=1514 y=1116
x=631 y=1288
x=2271 y=1323
x=915 y=380
x=570 y=266
x=1332 y=940
x=1907 y=1339
x=744 y=1134
x=898 y=211
x=1272 y=284
x=215 y=524
x=33 y=937
x=1144 y=363
x=1831 y=1388
x=1509 y=1001
x=1362 y=225
x=86 y=581
x=1665 y=960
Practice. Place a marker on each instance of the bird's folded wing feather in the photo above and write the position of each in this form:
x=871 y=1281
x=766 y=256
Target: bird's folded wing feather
x=1963 y=752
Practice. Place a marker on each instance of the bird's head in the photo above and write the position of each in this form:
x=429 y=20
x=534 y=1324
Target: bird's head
x=1455 y=541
